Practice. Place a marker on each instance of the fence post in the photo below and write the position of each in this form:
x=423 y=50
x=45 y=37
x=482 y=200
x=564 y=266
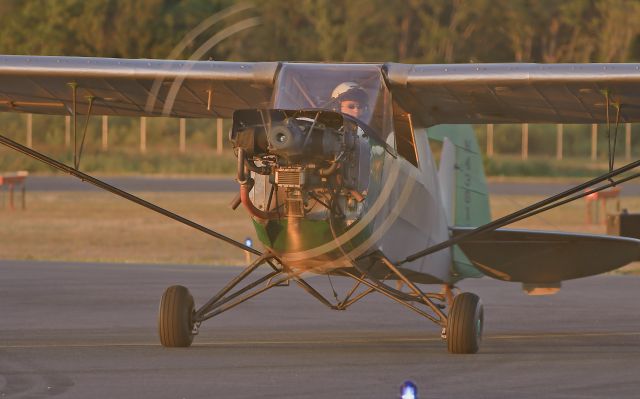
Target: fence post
x=143 y=134
x=627 y=143
x=559 y=130
x=67 y=131
x=105 y=132
x=219 y=136
x=525 y=140
x=183 y=135
x=490 y=140
x=594 y=142
x=29 y=130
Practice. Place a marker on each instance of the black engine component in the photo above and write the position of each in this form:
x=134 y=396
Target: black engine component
x=252 y=139
x=291 y=136
x=305 y=163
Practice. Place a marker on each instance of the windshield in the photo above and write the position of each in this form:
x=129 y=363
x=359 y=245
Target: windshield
x=357 y=90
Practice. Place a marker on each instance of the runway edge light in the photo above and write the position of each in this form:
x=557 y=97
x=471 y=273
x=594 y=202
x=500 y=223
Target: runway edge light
x=247 y=255
x=408 y=390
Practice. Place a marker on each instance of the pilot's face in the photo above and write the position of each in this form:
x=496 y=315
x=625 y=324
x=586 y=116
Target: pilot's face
x=352 y=108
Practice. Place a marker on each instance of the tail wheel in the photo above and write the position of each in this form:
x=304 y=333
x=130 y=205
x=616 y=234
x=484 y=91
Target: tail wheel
x=465 y=324
x=175 y=317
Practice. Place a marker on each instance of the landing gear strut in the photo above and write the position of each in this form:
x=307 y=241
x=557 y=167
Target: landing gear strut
x=178 y=318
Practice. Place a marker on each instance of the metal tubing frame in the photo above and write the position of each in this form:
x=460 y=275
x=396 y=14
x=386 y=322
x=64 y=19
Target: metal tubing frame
x=341 y=305
x=212 y=303
x=224 y=307
x=425 y=299
x=314 y=293
x=267 y=278
x=402 y=295
x=351 y=292
x=221 y=302
x=348 y=302
x=384 y=291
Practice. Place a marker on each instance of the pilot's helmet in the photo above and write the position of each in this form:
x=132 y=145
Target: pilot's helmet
x=350 y=91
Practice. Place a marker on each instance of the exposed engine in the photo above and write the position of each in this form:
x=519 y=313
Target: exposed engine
x=305 y=164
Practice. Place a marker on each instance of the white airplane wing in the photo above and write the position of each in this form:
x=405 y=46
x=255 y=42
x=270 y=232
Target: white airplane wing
x=537 y=256
x=40 y=84
x=434 y=94
x=517 y=93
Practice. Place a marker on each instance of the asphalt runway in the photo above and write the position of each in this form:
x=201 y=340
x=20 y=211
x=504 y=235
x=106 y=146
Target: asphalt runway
x=134 y=183
x=227 y=184
x=89 y=331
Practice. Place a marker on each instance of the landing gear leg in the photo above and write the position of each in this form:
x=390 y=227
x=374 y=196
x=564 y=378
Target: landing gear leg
x=465 y=324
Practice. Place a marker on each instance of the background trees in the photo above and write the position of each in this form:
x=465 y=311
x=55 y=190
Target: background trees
x=420 y=31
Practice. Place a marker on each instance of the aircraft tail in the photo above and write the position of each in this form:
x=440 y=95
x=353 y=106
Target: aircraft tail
x=463 y=185
x=461 y=176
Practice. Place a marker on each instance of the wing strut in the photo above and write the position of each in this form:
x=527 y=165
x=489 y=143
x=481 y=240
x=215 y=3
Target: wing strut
x=612 y=149
x=544 y=205
x=105 y=186
x=74 y=103
x=84 y=132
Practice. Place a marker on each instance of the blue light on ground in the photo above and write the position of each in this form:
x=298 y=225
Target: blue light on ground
x=408 y=390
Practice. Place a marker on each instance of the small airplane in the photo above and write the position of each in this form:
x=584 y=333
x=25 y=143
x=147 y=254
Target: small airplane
x=336 y=171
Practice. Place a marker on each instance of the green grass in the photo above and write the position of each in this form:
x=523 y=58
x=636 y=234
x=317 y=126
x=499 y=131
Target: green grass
x=205 y=161
x=202 y=162
x=97 y=226
x=543 y=167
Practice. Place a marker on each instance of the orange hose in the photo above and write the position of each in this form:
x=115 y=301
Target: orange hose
x=246 y=201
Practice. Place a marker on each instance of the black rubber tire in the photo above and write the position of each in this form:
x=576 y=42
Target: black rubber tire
x=465 y=324
x=175 y=317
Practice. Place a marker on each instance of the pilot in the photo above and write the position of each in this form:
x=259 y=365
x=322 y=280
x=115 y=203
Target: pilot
x=351 y=99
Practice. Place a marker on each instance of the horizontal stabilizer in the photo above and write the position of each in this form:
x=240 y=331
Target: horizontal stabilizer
x=543 y=257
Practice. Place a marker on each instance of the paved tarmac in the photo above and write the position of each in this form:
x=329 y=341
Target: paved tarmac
x=134 y=183
x=227 y=184
x=73 y=330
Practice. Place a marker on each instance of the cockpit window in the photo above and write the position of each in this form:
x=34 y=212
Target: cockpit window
x=356 y=90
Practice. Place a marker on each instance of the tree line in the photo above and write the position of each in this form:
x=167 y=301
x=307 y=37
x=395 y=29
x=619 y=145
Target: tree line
x=412 y=31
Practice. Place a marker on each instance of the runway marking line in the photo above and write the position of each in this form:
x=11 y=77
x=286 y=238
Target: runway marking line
x=329 y=342
x=564 y=335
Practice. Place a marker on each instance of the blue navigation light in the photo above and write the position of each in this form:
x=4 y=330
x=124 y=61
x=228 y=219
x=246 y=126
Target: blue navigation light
x=248 y=242
x=408 y=390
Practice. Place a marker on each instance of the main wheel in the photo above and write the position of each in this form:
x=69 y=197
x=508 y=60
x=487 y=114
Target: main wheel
x=175 y=317
x=465 y=324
